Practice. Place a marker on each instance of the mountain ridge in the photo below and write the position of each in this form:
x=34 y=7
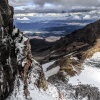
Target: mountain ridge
x=83 y=38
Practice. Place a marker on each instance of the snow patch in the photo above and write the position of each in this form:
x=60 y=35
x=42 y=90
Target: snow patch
x=34 y=93
x=51 y=72
x=46 y=65
x=90 y=74
x=15 y=31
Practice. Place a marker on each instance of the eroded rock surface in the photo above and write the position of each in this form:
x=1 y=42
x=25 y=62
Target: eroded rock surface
x=15 y=53
x=8 y=64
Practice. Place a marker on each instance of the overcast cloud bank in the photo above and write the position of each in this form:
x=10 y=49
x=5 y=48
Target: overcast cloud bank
x=53 y=5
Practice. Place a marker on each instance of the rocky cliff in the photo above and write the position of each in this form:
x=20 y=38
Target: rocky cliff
x=8 y=64
x=15 y=56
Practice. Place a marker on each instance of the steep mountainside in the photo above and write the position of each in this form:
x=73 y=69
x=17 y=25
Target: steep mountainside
x=75 y=48
x=77 y=42
x=74 y=58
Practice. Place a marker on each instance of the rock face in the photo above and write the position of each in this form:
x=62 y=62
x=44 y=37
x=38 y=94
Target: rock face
x=8 y=65
x=15 y=54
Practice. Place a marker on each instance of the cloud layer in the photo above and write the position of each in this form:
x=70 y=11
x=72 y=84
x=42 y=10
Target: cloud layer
x=55 y=4
x=58 y=2
x=69 y=2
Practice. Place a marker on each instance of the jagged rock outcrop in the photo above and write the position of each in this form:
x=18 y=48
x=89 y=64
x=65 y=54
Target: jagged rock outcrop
x=15 y=54
x=8 y=64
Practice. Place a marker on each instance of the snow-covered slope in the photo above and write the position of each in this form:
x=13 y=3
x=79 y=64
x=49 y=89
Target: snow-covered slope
x=30 y=83
x=32 y=91
x=90 y=73
x=81 y=86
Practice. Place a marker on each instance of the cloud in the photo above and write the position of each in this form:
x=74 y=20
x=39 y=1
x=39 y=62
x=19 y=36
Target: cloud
x=87 y=17
x=69 y=2
x=24 y=18
x=18 y=2
x=55 y=4
x=76 y=17
x=58 y=2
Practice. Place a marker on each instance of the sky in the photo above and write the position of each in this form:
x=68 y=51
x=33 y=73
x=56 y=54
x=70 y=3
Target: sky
x=53 y=5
